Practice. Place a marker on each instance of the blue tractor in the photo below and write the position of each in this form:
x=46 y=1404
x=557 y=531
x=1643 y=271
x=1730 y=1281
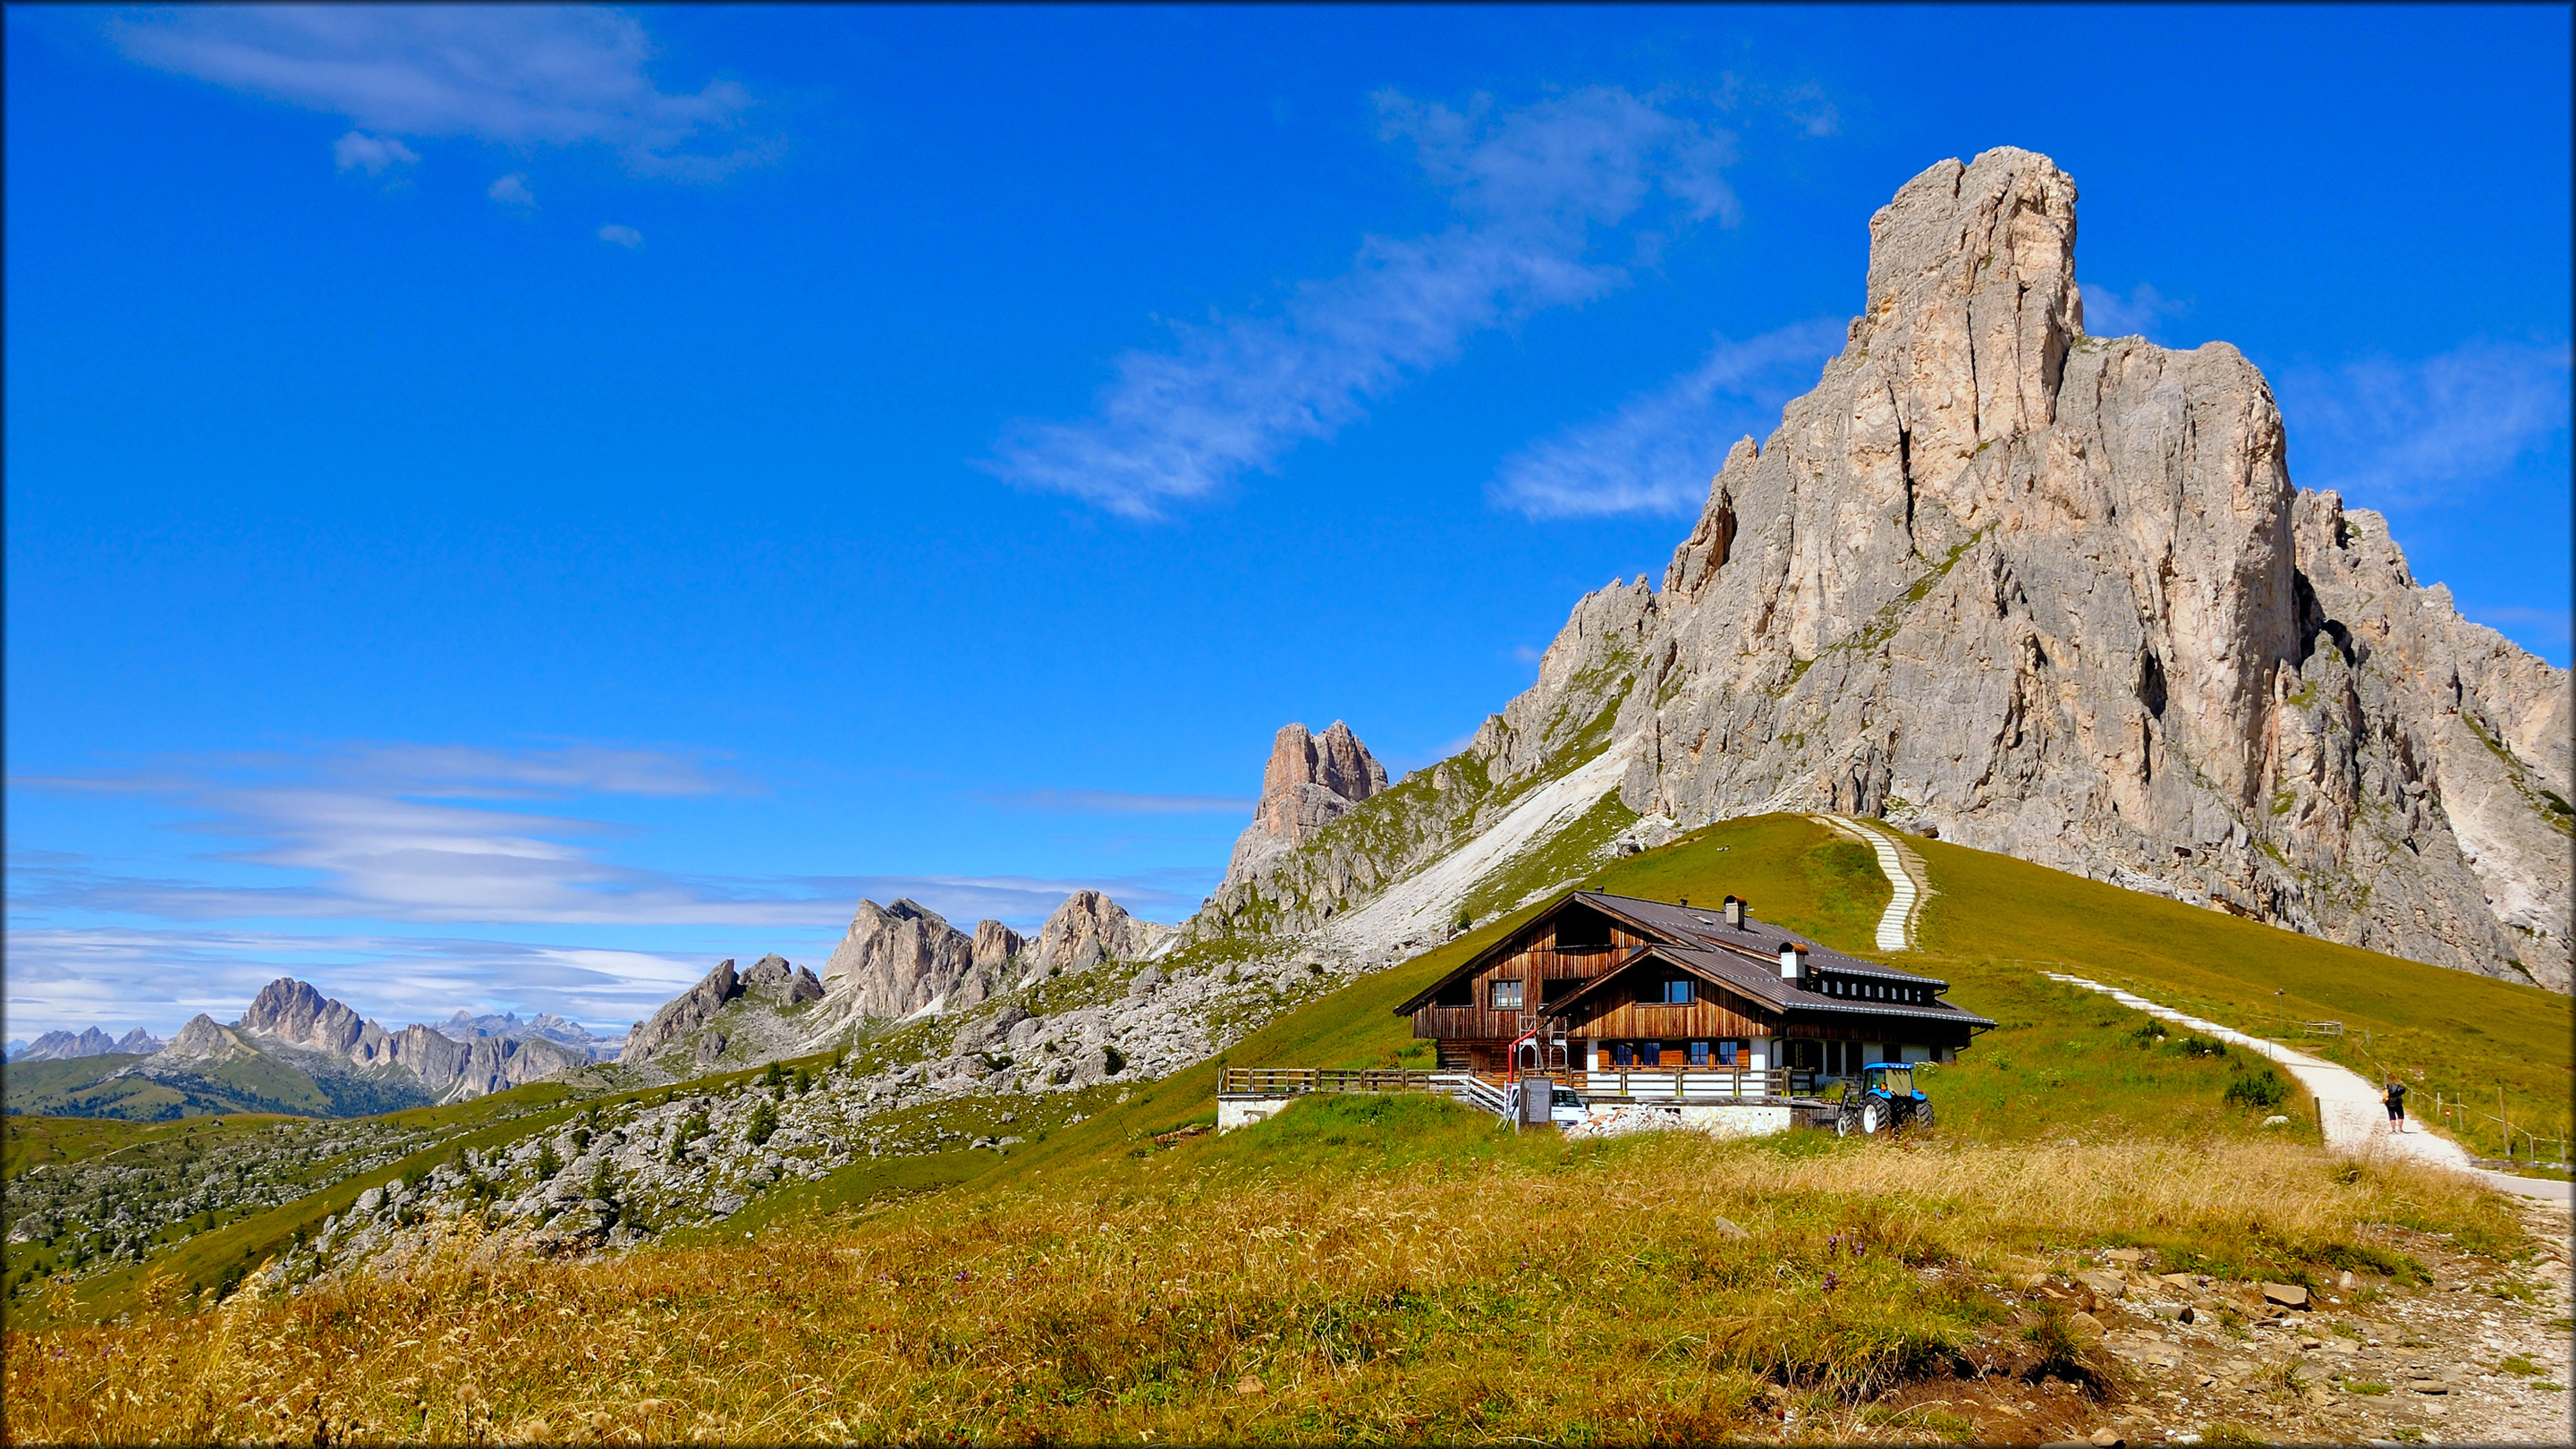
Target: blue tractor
x=1885 y=1099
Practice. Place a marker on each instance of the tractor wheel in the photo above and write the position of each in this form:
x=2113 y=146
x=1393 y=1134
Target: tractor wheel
x=1873 y=1118
x=1846 y=1122
x=1922 y=1116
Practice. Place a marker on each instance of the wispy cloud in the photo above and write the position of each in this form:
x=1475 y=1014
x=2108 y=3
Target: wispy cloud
x=1655 y=453
x=409 y=833
x=358 y=151
x=510 y=74
x=75 y=977
x=1530 y=190
x=513 y=190
x=1117 y=802
x=2412 y=434
x=624 y=236
x=2141 y=311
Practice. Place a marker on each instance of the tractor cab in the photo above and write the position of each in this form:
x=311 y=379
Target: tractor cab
x=1885 y=1099
x=1890 y=1080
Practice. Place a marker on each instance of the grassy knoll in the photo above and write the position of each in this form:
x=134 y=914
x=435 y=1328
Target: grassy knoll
x=35 y=1141
x=1356 y=1268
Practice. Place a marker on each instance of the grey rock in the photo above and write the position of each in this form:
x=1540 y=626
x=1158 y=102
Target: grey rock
x=2039 y=593
x=896 y=960
x=1310 y=781
x=1087 y=929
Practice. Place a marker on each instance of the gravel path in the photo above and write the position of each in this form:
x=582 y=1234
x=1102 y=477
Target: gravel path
x=1896 y=923
x=2355 y=1121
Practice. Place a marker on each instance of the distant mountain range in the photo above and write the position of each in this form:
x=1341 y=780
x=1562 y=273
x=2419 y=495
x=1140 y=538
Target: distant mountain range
x=293 y=1051
x=55 y=1046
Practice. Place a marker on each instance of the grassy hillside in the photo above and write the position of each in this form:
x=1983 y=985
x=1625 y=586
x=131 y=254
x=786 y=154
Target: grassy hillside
x=2061 y=1063
x=1385 y=1269
x=36 y=1141
x=2447 y=1031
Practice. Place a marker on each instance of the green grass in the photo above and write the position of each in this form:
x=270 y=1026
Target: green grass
x=35 y=1141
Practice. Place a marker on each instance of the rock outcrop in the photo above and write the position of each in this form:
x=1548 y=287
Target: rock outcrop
x=995 y=945
x=1087 y=929
x=897 y=959
x=771 y=982
x=1311 y=780
x=2056 y=596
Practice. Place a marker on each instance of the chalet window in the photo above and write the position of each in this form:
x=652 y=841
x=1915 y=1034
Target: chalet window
x=1506 y=995
x=1699 y=1053
x=1677 y=993
x=1726 y=1051
x=1623 y=1055
x=1650 y=1054
x=1580 y=930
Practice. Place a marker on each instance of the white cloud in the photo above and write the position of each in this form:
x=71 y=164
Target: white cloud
x=513 y=190
x=1656 y=452
x=2140 y=313
x=1528 y=188
x=624 y=236
x=2392 y=434
x=358 y=151
x=76 y=977
x=516 y=75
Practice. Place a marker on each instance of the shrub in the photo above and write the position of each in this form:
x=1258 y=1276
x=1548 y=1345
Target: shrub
x=764 y=1121
x=2260 y=1090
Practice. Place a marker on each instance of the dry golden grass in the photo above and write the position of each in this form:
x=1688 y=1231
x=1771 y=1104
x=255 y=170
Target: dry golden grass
x=1355 y=1269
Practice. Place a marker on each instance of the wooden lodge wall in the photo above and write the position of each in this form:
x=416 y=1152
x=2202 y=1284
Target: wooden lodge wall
x=1472 y=1036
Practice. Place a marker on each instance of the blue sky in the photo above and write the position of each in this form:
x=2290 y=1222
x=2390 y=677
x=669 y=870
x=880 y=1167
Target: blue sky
x=506 y=507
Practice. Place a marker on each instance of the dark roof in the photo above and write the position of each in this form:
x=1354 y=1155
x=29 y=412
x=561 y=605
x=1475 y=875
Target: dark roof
x=1744 y=960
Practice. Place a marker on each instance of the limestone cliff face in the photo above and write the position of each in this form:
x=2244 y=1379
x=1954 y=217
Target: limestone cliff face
x=1090 y=928
x=770 y=982
x=897 y=959
x=1310 y=781
x=2040 y=593
x=2056 y=595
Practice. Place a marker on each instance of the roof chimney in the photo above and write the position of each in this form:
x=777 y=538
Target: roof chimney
x=1792 y=964
x=1734 y=913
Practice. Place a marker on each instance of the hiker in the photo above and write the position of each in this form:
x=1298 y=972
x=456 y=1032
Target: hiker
x=2396 y=1100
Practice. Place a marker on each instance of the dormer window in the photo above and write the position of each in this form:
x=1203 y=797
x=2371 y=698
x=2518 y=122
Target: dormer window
x=1506 y=995
x=1677 y=992
x=1582 y=930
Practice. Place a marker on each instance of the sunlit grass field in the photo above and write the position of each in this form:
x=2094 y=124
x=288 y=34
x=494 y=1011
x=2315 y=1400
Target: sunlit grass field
x=1385 y=1268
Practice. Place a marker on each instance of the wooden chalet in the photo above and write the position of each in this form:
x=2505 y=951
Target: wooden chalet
x=1631 y=998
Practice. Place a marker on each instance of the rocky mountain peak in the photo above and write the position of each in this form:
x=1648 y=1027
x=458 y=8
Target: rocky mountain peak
x=293 y=1012
x=1090 y=928
x=896 y=959
x=2041 y=593
x=91 y=1042
x=203 y=1039
x=1310 y=780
